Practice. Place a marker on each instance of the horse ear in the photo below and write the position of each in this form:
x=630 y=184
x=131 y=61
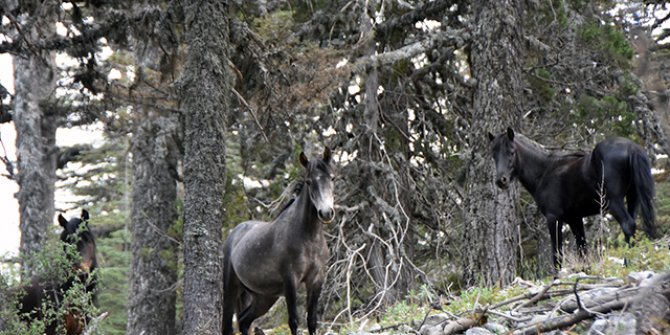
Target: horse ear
x=84 y=215
x=491 y=137
x=61 y=220
x=510 y=133
x=303 y=159
x=327 y=155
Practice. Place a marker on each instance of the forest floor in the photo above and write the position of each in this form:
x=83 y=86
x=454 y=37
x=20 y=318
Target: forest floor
x=618 y=300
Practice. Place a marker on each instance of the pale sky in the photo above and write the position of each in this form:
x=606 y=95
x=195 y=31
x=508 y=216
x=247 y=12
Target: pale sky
x=9 y=225
x=9 y=208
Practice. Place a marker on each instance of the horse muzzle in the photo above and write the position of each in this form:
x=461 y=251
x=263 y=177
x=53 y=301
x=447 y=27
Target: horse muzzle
x=326 y=216
x=502 y=182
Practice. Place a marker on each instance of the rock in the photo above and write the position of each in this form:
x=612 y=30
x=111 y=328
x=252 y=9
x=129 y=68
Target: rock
x=639 y=277
x=496 y=328
x=478 y=331
x=615 y=324
x=431 y=330
x=651 y=312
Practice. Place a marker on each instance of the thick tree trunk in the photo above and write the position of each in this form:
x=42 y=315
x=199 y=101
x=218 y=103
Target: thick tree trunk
x=153 y=279
x=153 y=275
x=35 y=81
x=204 y=89
x=490 y=228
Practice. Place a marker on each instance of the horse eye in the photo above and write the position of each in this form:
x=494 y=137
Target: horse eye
x=308 y=182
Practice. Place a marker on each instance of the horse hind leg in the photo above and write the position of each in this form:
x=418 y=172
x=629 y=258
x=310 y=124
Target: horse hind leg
x=259 y=306
x=633 y=204
x=232 y=292
x=627 y=223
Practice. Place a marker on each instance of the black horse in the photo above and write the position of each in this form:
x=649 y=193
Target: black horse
x=265 y=260
x=45 y=291
x=569 y=186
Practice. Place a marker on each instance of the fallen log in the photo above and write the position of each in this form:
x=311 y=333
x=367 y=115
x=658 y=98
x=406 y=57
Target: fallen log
x=463 y=324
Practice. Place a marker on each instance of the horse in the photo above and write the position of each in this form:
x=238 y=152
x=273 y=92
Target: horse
x=265 y=260
x=51 y=292
x=568 y=186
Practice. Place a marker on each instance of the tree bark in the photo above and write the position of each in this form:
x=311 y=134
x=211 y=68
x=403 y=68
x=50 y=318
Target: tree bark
x=490 y=214
x=204 y=89
x=155 y=154
x=153 y=275
x=35 y=81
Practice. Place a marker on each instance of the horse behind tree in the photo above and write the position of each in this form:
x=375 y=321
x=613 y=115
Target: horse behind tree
x=265 y=260
x=570 y=186
x=46 y=292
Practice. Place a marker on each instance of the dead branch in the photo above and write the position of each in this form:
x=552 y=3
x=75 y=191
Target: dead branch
x=537 y=297
x=571 y=319
x=463 y=324
x=94 y=323
x=456 y=37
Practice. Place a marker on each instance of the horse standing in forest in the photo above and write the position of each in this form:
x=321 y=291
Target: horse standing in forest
x=51 y=292
x=265 y=260
x=569 y=186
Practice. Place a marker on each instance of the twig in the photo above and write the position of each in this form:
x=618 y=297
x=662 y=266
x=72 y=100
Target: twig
x=93 y=325
x=536 y=298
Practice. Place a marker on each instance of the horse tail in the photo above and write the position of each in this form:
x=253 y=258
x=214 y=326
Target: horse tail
x=227 y=324
x=644 y=187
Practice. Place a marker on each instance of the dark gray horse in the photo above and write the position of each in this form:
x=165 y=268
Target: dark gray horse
x=265 y=260
x=567 y=186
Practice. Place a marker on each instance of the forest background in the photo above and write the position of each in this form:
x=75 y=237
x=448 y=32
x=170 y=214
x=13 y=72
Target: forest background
x=205 y=105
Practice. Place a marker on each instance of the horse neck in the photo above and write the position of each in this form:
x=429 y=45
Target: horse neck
x=531 y=162
x=302 y=217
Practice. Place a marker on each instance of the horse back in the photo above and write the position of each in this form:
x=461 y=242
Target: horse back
x=611 y=164
x=568 y=188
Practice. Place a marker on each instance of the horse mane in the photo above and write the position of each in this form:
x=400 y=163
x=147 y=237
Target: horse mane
x=87 y=235
x=556 y=154
x=287 y=197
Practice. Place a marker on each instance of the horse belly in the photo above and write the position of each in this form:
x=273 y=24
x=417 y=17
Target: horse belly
x=256 y=269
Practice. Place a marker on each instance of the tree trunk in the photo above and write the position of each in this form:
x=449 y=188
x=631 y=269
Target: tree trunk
x=153 y=272
x=389 y=261
x=35 y=81
x=490 y=214
x=204 y=89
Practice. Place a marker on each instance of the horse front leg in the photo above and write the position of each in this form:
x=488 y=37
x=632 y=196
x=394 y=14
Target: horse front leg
x=291 y=297
x=556 y=234
x=313 y=293
x=577 y=228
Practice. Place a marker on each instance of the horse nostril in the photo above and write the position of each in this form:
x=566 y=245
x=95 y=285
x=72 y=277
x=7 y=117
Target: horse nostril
x=502 y=182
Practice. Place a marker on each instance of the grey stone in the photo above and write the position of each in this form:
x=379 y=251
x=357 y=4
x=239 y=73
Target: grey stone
x=616 y=324
x=496 y=328
x=478 y=331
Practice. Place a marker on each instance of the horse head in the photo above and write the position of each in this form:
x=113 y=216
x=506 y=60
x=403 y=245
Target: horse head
x=504 y=155
x=76 y=232
x=319 y=181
